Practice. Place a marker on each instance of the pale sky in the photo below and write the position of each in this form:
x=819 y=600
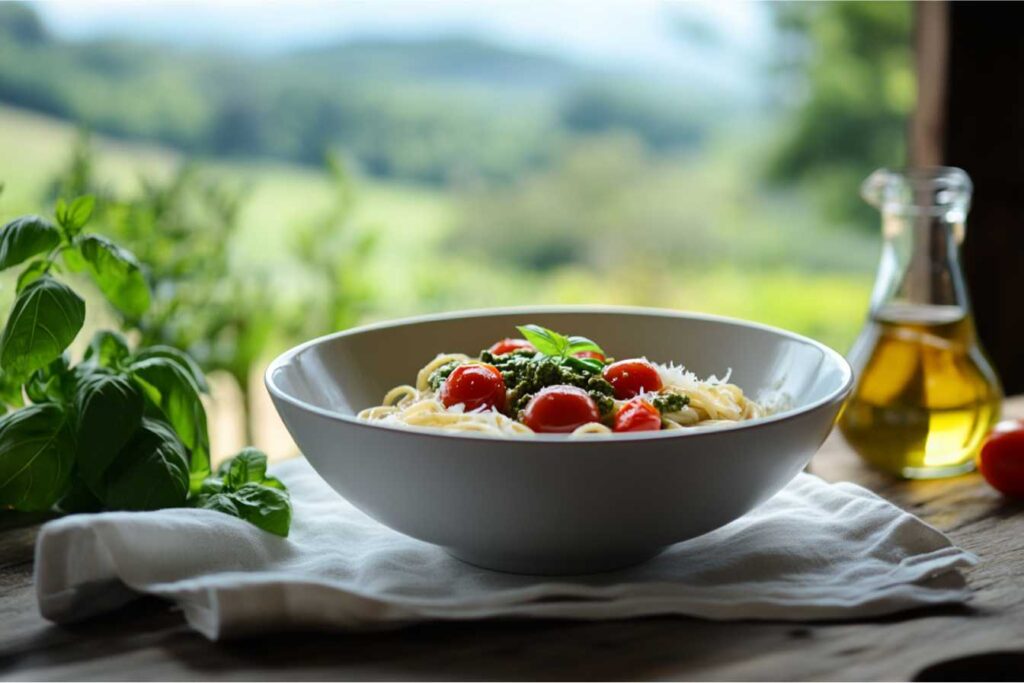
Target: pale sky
x=631 y=34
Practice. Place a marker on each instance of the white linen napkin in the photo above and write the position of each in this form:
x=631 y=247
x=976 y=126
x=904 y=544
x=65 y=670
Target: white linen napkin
x=814 y=551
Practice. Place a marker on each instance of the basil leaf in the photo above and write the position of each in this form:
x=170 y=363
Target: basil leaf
x=44 y=320
x=172 y=390
x=79 y=497
x=25 y=237
x=52 y=384
x=274 y=483
x=591 y=365
x=73 y=217
x=221 y=502
x=37 y=450
x=268 y=508
x=35 y=270
x=249 y=466
x=577 y=344
x=109 y=409
x=151 y=471
x=544 y=340
x=116 y=272
x=210 y=486
x=178 y=356
x=10 y=393
x=107 y=350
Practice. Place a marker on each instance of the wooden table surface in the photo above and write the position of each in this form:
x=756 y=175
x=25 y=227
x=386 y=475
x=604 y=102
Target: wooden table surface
x=984 y=640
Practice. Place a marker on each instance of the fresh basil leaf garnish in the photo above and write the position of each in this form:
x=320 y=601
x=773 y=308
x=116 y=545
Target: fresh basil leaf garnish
x=578 y=344
x=551 y=343
x=546 y=341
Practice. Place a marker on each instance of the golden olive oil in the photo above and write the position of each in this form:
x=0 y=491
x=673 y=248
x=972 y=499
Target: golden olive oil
x=925 y=396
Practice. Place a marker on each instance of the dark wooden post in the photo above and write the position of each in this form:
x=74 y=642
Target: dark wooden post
x=983 y=133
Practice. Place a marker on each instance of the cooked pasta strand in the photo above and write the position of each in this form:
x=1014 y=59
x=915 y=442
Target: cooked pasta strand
x=710 y=402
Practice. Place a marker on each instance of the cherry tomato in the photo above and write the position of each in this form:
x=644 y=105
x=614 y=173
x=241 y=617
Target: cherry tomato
x=590 y=354
x=560 y=408
x=1008 y=425
x=509 y=345
x=637 y=416
x=631 y=377
x=476 y=385
x=1001 y=460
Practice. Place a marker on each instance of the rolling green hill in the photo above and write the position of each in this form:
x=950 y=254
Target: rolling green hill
x=431 y=111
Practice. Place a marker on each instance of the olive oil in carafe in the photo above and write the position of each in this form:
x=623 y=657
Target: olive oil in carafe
x=925 y=396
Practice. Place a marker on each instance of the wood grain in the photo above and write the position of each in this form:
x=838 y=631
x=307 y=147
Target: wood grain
x=149 y=640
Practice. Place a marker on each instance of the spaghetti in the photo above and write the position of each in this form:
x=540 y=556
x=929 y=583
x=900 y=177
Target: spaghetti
x=552 y=383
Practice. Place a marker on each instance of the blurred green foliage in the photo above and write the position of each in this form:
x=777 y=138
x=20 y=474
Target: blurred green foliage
x=609 y=202
x=433 y=111
x=849 y=65
x=224 y=314
x=463 y=174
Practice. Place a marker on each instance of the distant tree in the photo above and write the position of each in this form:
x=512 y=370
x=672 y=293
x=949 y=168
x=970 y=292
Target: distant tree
x=849 y=68
x=19 y=22
x=660 y=122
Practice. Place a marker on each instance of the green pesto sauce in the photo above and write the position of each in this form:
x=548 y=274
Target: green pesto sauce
x=670 y=402
x=526 y=372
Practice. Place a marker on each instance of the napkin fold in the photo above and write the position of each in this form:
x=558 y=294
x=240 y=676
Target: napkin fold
x=814 y=551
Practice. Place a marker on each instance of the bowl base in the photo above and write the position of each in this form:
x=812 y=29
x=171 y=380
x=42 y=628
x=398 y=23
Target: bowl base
x=552 y=565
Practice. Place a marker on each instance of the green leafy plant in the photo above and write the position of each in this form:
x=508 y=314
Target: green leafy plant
x=124 y=429
x=228 y=316
x=561 y=347
x=243 y=489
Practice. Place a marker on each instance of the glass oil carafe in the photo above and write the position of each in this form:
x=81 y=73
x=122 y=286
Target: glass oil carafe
x=925 y=394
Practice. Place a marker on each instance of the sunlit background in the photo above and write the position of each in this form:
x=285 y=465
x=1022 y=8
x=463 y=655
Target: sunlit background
x=286 y=169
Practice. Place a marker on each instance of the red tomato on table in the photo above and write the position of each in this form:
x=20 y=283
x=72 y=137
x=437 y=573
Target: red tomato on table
x=595 y=355
x=504 y=346
x=1001 y=460
x=560 y=408
x=632 y=377
x=476 y=385
x=637 y=416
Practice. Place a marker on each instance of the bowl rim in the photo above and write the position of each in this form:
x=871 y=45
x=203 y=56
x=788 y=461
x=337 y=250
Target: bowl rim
x=836 y=396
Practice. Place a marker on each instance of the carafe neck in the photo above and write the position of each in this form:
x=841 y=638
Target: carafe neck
x=923 y=219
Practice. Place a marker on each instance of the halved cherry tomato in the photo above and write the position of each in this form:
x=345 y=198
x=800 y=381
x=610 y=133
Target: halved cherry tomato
x=560 y=408
x=1008 y=425
x=632 y=377
x=596 y=355
x=1001 y=460
x=509 y=345
x=637 y=416
x=476 y=385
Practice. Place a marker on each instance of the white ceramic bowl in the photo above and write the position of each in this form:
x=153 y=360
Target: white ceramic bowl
x=544 y=504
